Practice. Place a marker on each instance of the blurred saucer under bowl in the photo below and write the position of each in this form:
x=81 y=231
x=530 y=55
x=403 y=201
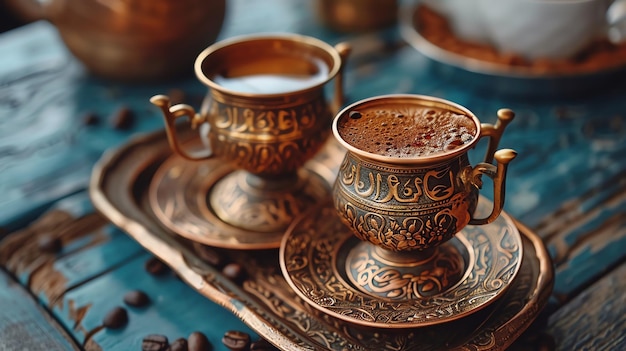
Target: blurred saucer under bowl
x=507 y=79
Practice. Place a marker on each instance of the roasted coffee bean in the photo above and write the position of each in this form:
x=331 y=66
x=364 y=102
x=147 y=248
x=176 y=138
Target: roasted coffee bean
x=179 y=344
x=122 y=119
x=355 y=114
x=49 y=244
x=154 y=266
x=262 y=345
x=90 y=119
x=209 y=255
x=236 y=340
x=154 y=342
x=198 y=342
x=234 y=272
x=136 y=298
x=116 y=318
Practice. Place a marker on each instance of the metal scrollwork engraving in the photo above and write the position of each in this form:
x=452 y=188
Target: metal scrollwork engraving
x=266 y=141
x=284 y=122
x=432 y=276
x=403 y=210
x=405 y=233
x=350 y=280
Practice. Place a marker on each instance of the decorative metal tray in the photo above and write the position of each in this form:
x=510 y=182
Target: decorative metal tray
x=263 y=300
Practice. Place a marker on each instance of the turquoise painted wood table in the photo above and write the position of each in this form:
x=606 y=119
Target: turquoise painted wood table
x=65 y=266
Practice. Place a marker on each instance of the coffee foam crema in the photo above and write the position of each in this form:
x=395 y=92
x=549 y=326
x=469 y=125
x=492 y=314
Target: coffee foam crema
x=398 y=131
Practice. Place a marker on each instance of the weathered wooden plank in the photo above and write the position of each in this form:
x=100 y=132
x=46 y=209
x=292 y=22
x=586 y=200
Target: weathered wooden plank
x=47 y=150
x=586 y=237
x=26 y=326
x=596 y=318
x=51 y=281
x=176 y=310
x=88 y=247
x=602 y=248
x=35 y=166
x=97 y=265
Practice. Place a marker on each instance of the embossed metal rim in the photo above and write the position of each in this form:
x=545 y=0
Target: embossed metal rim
x=409 y=100
x=364 y=303
x=285 y=37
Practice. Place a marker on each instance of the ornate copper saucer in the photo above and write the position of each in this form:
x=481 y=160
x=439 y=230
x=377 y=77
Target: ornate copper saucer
x=469 y=272
x=180 y=196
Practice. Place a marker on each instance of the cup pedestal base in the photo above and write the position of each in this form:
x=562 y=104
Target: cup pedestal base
x=212 y=203
x=264 y=204
x=407 y=275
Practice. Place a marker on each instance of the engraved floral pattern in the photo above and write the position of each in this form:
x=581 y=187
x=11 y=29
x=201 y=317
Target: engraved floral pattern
x=406 y=236
x=412 y=233
x=440 y=227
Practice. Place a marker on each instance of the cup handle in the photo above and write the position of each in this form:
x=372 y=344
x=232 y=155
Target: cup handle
x=498 y=175
x=171 y=114
x=495 y=131
x=344 y=50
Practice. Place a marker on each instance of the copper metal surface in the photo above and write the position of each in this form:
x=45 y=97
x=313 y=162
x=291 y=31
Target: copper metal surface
x=267 y=135
x=315 y=258
x=265 y=301
x=357 y=15
x=133 y=40
x=416 y=203
x=180 y=194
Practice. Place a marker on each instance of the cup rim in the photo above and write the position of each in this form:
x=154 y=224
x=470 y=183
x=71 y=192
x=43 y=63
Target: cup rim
x=418 y=160
x=287 y=37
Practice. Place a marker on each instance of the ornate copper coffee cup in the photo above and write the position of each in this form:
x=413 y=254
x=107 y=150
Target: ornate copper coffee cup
x=267 y=115
x=406 y=184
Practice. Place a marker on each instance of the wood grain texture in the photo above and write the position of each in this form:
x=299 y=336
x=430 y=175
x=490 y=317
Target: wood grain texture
x=90 y=275
x=568 y=182
x=176 y=309
x=596 y=318
x=24 y=325
x=587 y=237
x=46 y=150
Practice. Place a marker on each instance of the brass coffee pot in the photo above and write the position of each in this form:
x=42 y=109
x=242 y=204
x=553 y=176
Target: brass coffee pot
x=131 y=40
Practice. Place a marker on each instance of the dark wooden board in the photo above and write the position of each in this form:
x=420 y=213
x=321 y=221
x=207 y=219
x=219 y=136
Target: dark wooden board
x=596 y=318
x=24 y=325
